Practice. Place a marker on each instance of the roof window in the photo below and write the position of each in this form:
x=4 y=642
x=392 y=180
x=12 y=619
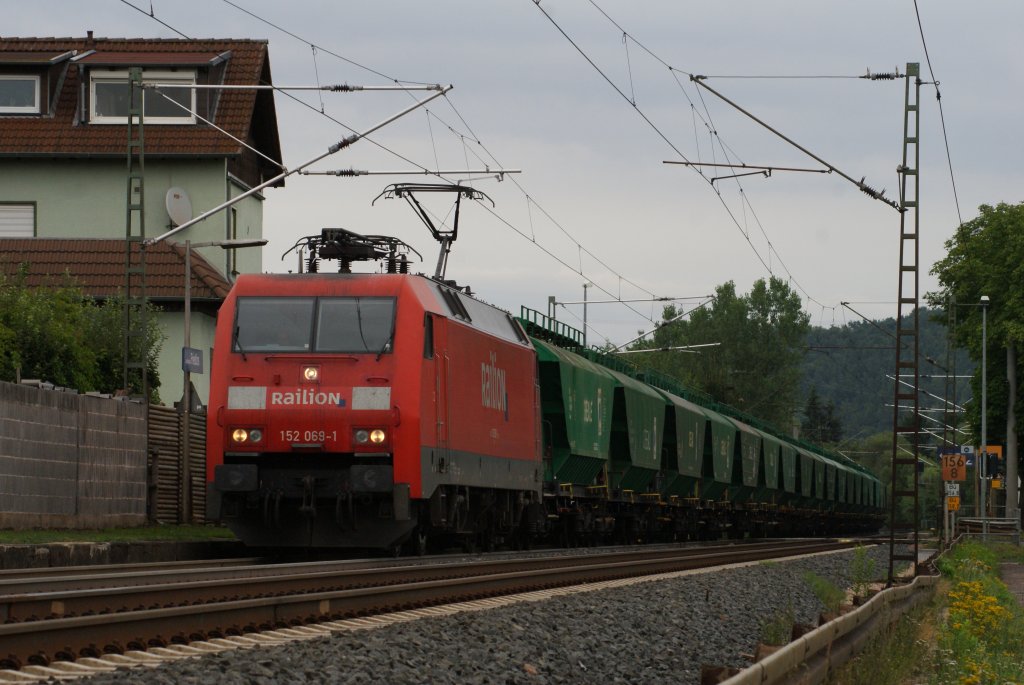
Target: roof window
x=173 y=102
x=19 y=94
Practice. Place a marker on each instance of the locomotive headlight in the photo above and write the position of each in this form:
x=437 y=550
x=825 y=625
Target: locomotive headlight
x=311 y=374
x=369 y=436
x=246 y=435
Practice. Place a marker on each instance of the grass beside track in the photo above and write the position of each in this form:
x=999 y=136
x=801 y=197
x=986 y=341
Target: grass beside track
x=969 y=634
x=164 y=533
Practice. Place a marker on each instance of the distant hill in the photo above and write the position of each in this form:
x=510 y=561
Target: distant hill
x=849 y=364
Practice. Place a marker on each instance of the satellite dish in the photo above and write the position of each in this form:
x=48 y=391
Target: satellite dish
x=179 y=206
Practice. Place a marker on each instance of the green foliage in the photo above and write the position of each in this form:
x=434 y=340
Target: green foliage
x=875 y=453
x=756 y=368
x=821 y=424
x=828 y=594
x=847 y=365
x=986 y=257
x=893 y=656
x=862 y=571
x=778 y=629
x=55 y=333
x=983 y=627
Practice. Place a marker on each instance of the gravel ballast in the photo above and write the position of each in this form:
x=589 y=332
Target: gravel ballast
x=650 y=632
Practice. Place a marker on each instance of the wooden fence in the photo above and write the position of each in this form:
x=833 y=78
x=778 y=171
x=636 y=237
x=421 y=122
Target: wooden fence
x=166 y=485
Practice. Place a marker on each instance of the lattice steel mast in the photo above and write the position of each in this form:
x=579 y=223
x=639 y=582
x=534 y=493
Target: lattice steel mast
x=905 y=417
x=136 y=347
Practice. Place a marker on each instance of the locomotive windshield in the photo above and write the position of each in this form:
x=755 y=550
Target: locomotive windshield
x=314 y=324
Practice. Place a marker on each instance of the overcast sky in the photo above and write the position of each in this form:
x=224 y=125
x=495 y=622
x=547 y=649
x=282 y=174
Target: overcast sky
x=600 y=198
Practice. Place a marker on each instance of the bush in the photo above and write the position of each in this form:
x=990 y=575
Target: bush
x=57 y=334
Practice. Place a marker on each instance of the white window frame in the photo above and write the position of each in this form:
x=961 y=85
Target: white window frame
x=11 y=109
x=184 y=77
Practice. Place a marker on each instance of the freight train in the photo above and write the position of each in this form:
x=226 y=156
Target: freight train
x=397 y=411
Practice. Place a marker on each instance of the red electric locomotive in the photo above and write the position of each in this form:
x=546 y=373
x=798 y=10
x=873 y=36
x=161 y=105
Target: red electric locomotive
x=370 y=410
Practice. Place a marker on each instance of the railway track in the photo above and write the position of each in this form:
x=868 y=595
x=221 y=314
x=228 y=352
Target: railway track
x=64 y=618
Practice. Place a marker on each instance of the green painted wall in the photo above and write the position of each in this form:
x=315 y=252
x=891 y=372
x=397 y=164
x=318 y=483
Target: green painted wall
x=172 y=378
x=86 y=198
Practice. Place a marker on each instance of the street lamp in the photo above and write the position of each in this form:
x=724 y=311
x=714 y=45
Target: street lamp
x=186 y=397
x=984 y=410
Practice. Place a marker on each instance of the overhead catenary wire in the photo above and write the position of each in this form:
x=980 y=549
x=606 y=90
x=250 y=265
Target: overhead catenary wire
x=662 y=135
x=942 y=117
x=152 y=16
x=156 y=89
x=404 y=158
x=714 y=136
x=340 y=145
x=647 y=119
x=666 y=322
x=399 y=172
x=868 y=190
x=334 y=88
x=554 y=222
x=475 y=139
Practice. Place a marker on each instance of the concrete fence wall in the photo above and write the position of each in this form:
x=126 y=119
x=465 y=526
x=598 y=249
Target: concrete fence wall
x=70 y=461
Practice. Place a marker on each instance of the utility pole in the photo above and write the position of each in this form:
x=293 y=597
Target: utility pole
x=983 y=467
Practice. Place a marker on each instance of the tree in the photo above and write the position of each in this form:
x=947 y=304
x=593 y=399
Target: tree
x=832 y=425
x=57 y=334
x=986 y=257
x=813 y=417
x=756 y=367
x=821 y=423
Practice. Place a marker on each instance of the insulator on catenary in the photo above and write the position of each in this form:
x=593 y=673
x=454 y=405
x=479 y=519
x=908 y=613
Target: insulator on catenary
x=865 y=188
x=886 y=76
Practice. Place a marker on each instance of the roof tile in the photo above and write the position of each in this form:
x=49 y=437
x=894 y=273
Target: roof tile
x=97 y=266
x=60 y=135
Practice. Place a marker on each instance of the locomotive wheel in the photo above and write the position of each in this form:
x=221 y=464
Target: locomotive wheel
x=420 y=541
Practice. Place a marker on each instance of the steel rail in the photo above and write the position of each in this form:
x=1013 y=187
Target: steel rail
x=40 y=642
x=65 y=597
x=30 y=578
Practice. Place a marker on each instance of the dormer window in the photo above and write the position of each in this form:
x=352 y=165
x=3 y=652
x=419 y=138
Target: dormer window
x=19 y=94
x=172 y=102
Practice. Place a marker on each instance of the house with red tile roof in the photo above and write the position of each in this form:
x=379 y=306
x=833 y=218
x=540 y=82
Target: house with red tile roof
x=63 y=174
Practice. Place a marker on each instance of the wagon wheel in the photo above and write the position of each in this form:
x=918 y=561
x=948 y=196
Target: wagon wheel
x=488 y=535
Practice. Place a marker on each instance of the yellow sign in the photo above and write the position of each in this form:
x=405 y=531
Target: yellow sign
x=952 y=504
x=997 y=484
x=954 y=467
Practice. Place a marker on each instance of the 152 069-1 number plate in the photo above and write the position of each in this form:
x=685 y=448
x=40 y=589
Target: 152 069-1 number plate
x=308 y=436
